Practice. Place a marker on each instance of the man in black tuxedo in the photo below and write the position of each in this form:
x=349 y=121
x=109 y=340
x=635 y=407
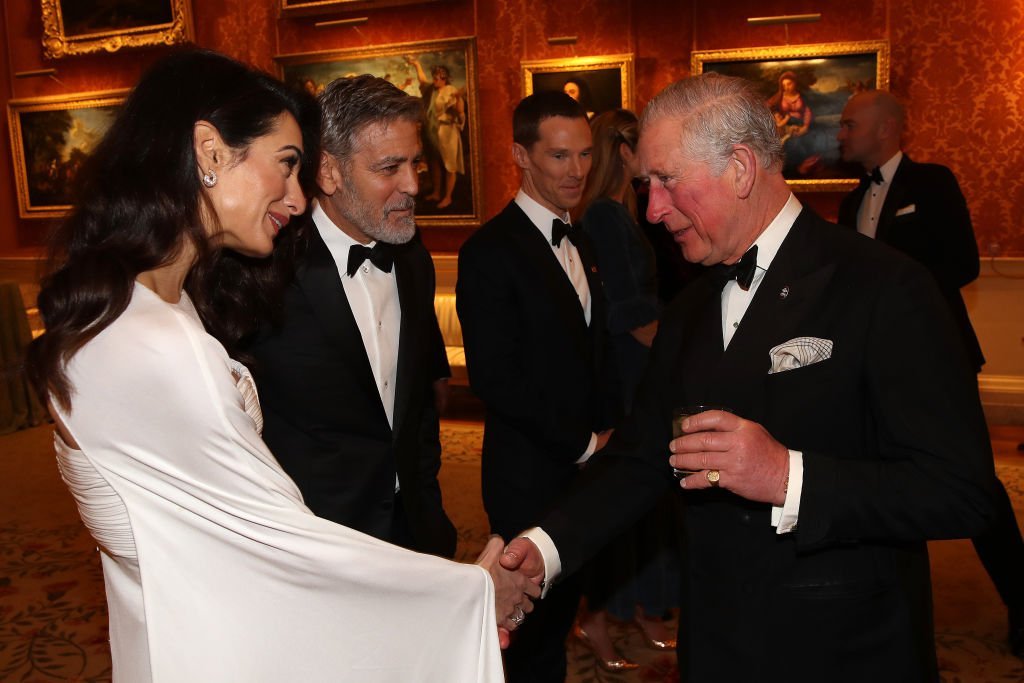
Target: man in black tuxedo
x=530 y=304
x=920 y=210
x=345 y=377
x=855 y=433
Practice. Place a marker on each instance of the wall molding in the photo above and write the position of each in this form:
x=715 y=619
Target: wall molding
x=1002 y=266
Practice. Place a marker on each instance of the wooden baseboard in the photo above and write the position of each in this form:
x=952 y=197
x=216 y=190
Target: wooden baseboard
x=1002 y=397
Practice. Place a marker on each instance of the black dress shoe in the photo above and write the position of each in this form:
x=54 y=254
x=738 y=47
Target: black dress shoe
x=1017 y=631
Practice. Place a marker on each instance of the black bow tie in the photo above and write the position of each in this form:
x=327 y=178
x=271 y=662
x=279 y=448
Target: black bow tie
x=380 y=255
x=560 y=229
x=874 y=177
x=742 y=271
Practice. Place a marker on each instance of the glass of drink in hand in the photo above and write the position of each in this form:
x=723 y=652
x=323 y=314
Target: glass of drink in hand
x=680 y=414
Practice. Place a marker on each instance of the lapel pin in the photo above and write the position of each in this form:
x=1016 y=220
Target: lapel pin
x=593 y=269
x=784 y=293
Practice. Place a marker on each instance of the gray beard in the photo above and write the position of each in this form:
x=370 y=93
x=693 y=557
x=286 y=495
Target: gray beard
x=377 y=226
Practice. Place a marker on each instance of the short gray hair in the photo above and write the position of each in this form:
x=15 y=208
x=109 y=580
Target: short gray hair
x=714 y=113
x=347 y=105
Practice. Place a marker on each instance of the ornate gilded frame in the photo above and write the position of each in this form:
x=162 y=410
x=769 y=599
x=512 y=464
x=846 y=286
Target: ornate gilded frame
x=305 y=8
x=45 y=160
x=841 y=69
x=57 y=43
x=316 y=69
x=606 y=75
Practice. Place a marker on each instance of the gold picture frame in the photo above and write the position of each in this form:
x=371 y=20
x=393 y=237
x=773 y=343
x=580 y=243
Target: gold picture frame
x=825 y=75
x=602 y=82
x=50 y=137
x=306 y=8
x=78 y=27
x=395 y=62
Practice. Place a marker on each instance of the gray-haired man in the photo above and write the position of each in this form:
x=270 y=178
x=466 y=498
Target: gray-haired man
x=855 y=432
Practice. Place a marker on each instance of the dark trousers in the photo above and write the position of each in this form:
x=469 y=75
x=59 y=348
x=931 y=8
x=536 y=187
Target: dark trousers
x=537 y=652
x=1001 y=551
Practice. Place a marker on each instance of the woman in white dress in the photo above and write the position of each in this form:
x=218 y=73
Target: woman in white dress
x=214 y=568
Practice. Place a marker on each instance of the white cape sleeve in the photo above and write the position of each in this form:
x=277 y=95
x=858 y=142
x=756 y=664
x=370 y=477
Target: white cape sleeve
x=238 y=581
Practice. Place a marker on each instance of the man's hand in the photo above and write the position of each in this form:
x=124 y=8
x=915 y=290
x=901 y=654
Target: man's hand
x=750 y=463
x=523 y=556
x=513 y=590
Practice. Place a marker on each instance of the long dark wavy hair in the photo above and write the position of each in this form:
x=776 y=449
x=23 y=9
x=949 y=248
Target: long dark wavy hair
x=139 y=202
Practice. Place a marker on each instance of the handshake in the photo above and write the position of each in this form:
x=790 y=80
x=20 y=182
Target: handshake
x=517 y=571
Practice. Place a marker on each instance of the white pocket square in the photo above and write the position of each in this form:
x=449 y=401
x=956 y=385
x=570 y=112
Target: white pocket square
x=799 y=352
x=908 y=209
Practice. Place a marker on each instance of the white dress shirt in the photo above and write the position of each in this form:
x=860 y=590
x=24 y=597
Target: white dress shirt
x=734 y=305
x=373 y=296
x=569 y=258
x=874 y=199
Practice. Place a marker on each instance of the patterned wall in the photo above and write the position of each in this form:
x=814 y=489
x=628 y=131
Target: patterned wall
x=962 y=68
x=959 y=63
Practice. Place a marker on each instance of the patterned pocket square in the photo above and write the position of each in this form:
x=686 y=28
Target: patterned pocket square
x=908 y=209
x=799 y=352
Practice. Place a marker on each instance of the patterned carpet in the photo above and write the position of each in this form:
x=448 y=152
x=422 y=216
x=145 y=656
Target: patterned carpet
x=53 y=613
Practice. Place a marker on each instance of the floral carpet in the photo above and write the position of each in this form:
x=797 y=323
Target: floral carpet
x=53 y=621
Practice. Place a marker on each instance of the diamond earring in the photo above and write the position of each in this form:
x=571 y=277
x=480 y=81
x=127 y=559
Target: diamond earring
x=210 y=178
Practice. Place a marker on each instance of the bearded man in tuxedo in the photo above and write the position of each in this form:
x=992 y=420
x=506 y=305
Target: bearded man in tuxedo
x=346 y=375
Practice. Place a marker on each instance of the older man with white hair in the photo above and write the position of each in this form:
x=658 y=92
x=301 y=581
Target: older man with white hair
x=847 y=430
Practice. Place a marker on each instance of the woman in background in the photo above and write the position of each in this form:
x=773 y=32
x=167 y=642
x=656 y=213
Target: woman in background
x=214 y=569
x=645 y=585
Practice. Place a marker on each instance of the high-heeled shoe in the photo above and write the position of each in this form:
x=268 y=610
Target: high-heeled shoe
x=667 y=644
x=609 y=665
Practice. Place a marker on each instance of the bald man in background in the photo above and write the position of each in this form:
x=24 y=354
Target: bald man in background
x=919 y=209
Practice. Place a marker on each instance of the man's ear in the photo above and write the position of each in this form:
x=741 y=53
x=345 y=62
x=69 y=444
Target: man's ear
x=887 y=128
x=328 y=174
x=520 y=155
x=211 y=152
x=744 y=165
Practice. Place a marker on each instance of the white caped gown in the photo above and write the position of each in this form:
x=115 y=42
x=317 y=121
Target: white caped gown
x=215 y=570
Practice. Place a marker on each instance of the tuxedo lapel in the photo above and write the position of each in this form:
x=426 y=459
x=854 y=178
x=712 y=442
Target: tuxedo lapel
x=701 y=351
x=321 y=284
x=404 y=274
x=598 y=310
x=894 y=200
x=850 y=206
x=791 y=289
x=541 y=260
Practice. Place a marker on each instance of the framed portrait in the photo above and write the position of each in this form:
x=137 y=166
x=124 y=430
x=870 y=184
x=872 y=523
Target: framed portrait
x=598 y=83
x=443 y=74
x=301 y=8
x=77 y=27
x=806 y=87
x=50 y=138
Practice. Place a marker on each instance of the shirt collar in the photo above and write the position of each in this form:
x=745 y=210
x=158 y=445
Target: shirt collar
x=539 y=215
x=333 y=236
x=771 y=239
x=338 y=242
x=888 y=169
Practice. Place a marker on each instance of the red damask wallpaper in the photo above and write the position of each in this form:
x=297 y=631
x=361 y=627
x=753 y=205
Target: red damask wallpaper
x=958 y=64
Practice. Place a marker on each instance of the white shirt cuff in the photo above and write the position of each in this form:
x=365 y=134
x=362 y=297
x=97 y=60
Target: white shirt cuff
x=784 y=518
x=591 y=447
x=548 y=551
